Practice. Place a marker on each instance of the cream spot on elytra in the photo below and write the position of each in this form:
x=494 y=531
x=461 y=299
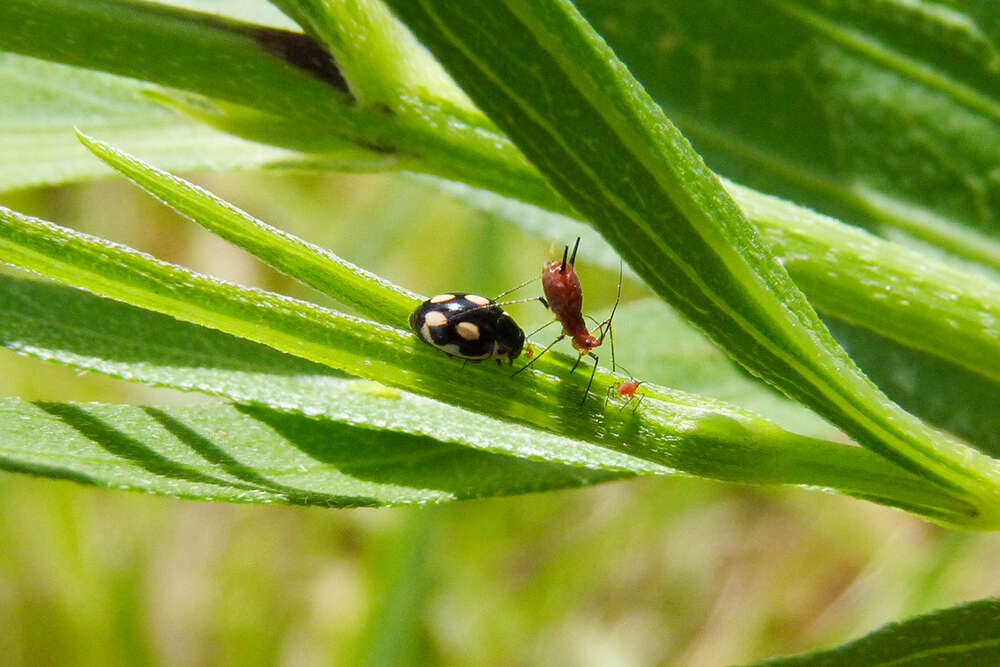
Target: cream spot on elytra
x=436 y=319
x=476 y=299
x=467 y=330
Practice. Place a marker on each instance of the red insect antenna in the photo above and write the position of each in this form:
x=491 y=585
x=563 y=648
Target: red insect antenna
x=572 y=260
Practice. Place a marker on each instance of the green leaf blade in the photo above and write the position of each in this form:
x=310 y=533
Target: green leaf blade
x=113 y=29
x=920 y=301
x=270 y=71
x=308 y=263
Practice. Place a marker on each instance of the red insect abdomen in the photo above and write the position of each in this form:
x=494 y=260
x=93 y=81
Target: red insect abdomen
x=565 y=299
x=562 y=290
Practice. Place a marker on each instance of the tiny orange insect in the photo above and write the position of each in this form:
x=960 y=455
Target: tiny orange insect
x=626 y=388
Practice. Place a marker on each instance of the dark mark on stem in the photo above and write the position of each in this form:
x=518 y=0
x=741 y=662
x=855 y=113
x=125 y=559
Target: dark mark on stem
x=300 y=50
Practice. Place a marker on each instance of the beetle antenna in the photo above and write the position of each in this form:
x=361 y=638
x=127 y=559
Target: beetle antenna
x=514 y=289
x=491 y=304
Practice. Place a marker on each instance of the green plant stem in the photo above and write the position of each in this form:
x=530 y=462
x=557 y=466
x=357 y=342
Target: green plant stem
x=559 y=92
x=917 y=300
x=388 y=67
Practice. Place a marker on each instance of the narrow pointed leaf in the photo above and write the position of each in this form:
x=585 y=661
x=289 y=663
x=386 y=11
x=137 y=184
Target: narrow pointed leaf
x=269 y=70
x=257 y=58
x=366 y=293
x=953 y=397
x=922 y=302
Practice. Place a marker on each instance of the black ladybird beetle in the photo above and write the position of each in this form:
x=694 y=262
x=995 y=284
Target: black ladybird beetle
x=468 y=326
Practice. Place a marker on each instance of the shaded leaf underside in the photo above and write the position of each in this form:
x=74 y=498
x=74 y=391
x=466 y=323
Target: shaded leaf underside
x=255 y=454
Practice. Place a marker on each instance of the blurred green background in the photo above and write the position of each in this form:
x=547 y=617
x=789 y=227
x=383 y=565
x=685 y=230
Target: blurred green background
x=652 y=571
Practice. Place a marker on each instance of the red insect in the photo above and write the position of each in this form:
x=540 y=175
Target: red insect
x=564 y=297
